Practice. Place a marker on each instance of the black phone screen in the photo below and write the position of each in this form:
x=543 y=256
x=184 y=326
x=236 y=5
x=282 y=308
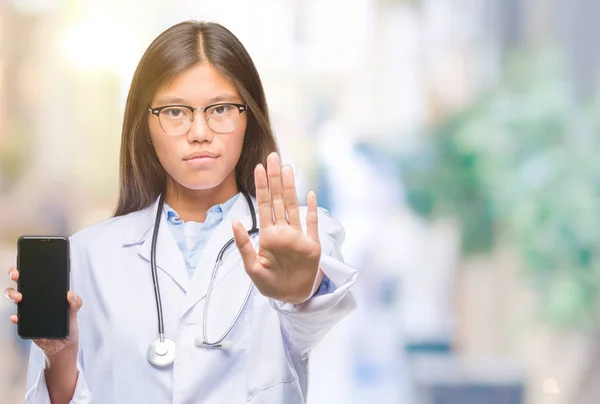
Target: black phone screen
x=43 y=265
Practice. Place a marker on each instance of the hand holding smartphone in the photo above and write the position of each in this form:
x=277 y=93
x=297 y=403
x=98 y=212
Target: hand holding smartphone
x=43 y=265
x=47 y=309
x=54 y=278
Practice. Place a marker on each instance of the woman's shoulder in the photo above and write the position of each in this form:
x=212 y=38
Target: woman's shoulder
x=113 y=229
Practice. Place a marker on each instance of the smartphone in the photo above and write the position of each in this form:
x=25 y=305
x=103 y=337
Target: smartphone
x=44 y=270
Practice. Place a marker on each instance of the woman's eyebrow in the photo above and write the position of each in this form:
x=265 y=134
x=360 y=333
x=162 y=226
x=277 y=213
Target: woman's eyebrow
x=169 y=100
x=223 y=97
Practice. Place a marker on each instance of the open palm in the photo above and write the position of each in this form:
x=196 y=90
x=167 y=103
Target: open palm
x=287 y=261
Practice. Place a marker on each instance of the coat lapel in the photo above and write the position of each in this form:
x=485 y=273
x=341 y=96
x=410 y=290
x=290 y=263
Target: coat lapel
x=231 y=281
x=168 y=256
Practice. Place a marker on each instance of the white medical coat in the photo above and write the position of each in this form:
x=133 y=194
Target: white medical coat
x=271 y=341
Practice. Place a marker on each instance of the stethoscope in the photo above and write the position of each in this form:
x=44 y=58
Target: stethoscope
x=161 y=352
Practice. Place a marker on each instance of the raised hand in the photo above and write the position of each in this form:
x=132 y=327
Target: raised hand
x=286 y=264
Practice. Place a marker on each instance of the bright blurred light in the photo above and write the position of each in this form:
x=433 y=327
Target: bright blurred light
x=35 y=6
x=551 y=386
x=97 y=43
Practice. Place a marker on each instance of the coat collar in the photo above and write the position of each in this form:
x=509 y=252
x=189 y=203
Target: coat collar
x=142 y=224
x=170 y=260
x=168 y=257
x=231 y=260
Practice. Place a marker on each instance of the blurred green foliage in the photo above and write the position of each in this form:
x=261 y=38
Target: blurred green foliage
x=522 y=165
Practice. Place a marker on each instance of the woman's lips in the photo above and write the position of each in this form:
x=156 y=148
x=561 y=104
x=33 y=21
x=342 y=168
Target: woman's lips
x=200 y=158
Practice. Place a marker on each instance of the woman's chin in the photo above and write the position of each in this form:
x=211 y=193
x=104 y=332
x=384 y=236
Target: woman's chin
x=200 y=185
x=204 y=181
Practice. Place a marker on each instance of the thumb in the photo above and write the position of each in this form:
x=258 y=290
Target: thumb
x=242 y=241
x=75 y=302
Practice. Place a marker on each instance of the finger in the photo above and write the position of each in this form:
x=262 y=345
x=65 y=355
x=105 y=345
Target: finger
x=312 y=217
x=242 y=240
x=263 y=199
x=13 y=274
x=291 y=198
x=14 y=319
x=276 y=188
x=13 y=295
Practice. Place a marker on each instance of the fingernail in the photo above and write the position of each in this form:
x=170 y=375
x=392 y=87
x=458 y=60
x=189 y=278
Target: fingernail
x=10 y=273
x=74 y=299
x=15 y=296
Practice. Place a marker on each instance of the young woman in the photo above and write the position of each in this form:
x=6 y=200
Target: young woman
x=177 y=299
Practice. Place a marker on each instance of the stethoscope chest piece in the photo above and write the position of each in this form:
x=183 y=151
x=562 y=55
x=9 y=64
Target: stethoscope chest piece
x=161 y=353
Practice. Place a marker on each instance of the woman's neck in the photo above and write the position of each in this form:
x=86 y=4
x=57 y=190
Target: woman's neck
x=192 y=205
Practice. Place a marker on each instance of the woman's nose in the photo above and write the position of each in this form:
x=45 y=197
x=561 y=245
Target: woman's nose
x=200 y=131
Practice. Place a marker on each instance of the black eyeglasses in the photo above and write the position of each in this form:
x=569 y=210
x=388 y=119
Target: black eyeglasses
x=176 y=120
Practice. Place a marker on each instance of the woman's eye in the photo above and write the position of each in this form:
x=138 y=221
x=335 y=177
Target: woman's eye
x=222 y=109
x=173 y=112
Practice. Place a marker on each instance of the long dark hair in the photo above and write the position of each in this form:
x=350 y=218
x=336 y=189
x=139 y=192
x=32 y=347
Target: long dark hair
x=142 y=178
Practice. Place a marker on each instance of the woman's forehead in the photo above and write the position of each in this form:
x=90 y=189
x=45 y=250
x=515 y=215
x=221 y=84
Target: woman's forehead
x=201 y=84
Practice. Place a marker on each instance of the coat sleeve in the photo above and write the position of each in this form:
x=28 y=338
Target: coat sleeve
x=37 y=391
x=306 y=324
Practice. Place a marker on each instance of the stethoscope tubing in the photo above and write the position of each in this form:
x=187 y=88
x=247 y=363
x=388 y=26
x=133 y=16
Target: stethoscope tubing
x=159 y=311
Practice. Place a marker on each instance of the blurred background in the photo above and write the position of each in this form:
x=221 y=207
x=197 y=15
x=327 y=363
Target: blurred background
x=456 y=140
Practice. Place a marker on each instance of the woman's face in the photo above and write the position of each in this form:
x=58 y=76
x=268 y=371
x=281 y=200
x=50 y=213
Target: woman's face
x=199 y=158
